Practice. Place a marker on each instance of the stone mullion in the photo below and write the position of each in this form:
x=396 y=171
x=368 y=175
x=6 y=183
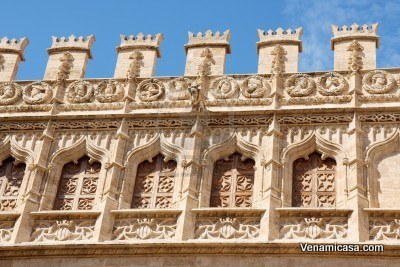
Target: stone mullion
x=356 y=191
x=270 y=191
x=190 y=174
x=31 y=196
x=110 y=195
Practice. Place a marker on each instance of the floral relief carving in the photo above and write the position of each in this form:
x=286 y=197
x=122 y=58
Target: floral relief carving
x=331 y=84
x=37 y=93
x=378 y=82
x=255 y=87
x=134 y=68
x=144 y=228
x=80 y=92
x=150 y=90
x=10 y=93
x=65 y=67
x=2 y=62
x=355 y=61
x=224 y=87
x=227 y=228
x=6 y=230
x=204 y=69
x=62 y=230
x=109 y=91
x=299 y=85
x=278 y=62
x=313 y=228
x=384 y=229
x=179 y=89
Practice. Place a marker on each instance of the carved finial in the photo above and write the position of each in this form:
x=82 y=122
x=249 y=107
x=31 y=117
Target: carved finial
x=65 y=67
x=134 y=67
x=204 y=69
x=355 y=62
x=2 y=62
x=278 y=62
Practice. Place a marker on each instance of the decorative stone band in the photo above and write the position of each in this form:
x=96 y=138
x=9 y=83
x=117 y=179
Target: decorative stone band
x=384 y=224
x=14 y=46
x=280 y=36
x=72 y=43
x=354 y=32
x=7 y=222
x=141 y=41
x=209 y=39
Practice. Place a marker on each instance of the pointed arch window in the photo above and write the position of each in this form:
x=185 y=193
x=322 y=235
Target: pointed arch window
x=154 y=184
x=11 y=176
x=232 y=182
x=78 y=185
x=314 y=182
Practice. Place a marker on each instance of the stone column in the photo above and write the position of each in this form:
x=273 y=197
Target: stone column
x=216 y=43
x=286 y=44
x=68 y=58
x=109 y=201
x=31 y=196
x=365 y=35
x=271 y=186
x=356 y=186
x=189 y=197
x=11 y=54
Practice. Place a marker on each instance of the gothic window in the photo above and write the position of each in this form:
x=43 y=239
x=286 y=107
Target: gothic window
x=154 y=185
x=314 y=182
x=78 y=185
x=232 y=182
x=11 y=175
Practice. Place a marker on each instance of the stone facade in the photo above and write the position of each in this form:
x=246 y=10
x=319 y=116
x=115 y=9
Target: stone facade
x=201 y=169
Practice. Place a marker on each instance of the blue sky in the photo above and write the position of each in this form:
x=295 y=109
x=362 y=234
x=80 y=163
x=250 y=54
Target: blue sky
x=39 y=20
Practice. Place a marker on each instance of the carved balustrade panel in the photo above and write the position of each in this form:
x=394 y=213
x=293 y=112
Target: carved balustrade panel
x=7 y=223
x=78 y=185
x=154 y=185
x=384 y=224
x=232 y=182
x=314 y=182
x=11 y=176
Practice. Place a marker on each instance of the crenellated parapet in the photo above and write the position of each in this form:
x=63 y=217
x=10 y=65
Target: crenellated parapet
x=342 y=42
x=216 y=43
x=11 y=54
x=279 y=45
x=79 y=52
x=139 y=52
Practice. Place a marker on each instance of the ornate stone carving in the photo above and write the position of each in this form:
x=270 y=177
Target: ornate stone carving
x=2 y=62
x=299 y=85
x=80 y=92
x=144 y=228
x=134 y=68
x=224 y=87
x=232 y=183
x=150 y=90
x=331 y=84
x=227 y=228
x=11 y=176
x=197 y=99
x=37 y=93
x=65 y=67
x=313 y=228
x=384 y=229
x=255 y=87
x=204 y=69
x=10 y=93
x=154 y=185
x=6 y=230
x=382 y=117
x=355 y=62
x=378 y=82
x=179 y=89
x=278 y=62
x=63 y=230
x=109 y=91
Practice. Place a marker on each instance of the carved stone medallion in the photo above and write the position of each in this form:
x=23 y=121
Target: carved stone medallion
x=255 y=87
x=331 y=84
x=80 y=92
x=10 y=93
x=37 y=93
x=378 y=82
x=299 y=85
x=179 y=89
x=150 y=90
x=109 y=91
x=224 y=87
